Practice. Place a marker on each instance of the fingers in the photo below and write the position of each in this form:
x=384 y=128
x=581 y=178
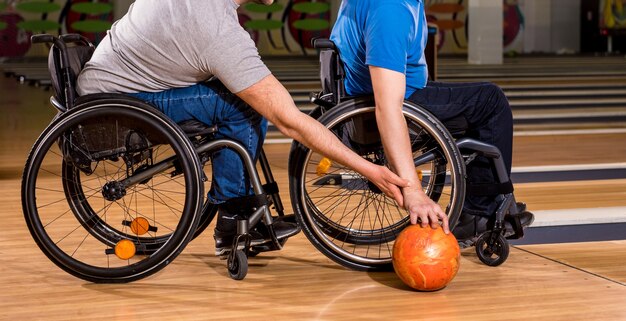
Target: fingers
x=396 y=180
x=439 y=218
x=395 y=192
x=413 y=217
x=444 y=223
x=424 y=219
x=429 y=215
x=392 y=184
x=432 y=219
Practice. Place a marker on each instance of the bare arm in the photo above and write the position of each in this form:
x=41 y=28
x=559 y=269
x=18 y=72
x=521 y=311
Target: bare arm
x=273 y=101
x=389 y=88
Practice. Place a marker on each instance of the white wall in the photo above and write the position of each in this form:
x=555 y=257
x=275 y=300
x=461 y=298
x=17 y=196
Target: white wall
x=537 y=32
x=551 y=25
x=565 y=26
x=485 y=32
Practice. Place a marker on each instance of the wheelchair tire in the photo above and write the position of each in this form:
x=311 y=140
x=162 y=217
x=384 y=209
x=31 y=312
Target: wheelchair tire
x=344 y=215
x=238 y=265
x=80 y=217
x=492 y=252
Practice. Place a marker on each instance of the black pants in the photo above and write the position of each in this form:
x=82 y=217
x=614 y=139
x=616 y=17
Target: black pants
x=489 y=120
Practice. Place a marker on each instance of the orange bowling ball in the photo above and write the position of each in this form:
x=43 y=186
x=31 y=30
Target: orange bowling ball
x=426 y=259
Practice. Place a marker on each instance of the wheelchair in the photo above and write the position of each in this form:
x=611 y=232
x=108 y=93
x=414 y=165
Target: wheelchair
x=322 y=194
x=113 y=190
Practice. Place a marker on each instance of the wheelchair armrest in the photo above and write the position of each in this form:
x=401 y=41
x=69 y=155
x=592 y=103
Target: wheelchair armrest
x=318 y=99
x=323 y=43
x=42 y=38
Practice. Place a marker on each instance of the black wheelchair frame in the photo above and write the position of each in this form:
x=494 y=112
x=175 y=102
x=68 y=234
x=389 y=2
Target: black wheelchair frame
x=491 y=246
x=108 y=165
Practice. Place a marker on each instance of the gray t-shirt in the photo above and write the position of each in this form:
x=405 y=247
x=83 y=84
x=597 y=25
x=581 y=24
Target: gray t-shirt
x=164 y=44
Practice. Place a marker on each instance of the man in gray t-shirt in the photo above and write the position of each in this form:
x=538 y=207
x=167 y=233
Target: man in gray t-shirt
x=159 y=45
x=166 y=51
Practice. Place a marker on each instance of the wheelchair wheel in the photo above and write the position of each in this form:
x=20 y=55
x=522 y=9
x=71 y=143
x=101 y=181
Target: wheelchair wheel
x=492 y=250
x=76 y=195
x=112 y=191
x=347 y=217
x=238 y=265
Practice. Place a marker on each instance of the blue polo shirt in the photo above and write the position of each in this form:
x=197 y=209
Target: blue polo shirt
x=389 y=34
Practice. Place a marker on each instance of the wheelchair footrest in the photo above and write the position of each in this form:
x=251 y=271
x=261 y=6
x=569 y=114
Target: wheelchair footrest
x=517 y=227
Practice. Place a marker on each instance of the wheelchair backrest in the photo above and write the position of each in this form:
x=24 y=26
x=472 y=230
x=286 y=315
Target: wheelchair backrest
x=331 y=70
x=67 y=57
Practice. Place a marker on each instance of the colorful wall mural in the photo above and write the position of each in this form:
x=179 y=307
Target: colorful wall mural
x=20 y=19
x=284 y=28
x=287 y=27
x=613 y=14
x=451 y=18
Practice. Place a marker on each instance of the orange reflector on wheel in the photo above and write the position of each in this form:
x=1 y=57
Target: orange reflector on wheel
x=139 y=226
x=125 y=249
x=323 y=166
x=420 y=175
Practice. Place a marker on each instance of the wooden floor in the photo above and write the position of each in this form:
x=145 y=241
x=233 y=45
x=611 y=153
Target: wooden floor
x=574 y=281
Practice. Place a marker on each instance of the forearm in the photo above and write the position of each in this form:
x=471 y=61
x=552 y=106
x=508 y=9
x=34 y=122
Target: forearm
x=273 y=101
x=394 y=134
x=314 y=135
x=389 y=94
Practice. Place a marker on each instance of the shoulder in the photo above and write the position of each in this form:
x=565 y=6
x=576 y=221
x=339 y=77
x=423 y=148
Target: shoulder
x=393 y=14
x=399 y=5
x=393 y=10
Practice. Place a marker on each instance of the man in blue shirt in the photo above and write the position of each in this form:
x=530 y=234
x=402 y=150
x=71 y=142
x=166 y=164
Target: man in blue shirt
x=381 y=43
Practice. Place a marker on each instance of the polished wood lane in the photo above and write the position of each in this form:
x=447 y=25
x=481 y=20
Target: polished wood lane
x=569 y=195
x=540 y=282
x=608 y=262
x=300 y=283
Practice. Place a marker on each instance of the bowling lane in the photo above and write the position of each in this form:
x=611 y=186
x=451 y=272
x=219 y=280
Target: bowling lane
x=598 y=259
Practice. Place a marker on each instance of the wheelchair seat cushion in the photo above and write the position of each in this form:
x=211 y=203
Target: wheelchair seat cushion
x=194 y=127
x=108 y=96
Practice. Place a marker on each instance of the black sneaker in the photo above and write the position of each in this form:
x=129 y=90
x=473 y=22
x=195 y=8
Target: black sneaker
x=525 y=220
x=224 y=241
x=469 y=228
x=284 y=227
x=521 y=207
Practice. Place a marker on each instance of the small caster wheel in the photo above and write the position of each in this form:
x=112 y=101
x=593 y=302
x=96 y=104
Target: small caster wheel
x=237 y=265
x=491 y=249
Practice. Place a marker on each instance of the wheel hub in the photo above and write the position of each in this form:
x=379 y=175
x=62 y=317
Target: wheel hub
x=113 y=191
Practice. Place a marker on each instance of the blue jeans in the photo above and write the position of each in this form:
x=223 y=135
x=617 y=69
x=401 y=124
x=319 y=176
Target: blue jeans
x=213 y=104
x=488 y=114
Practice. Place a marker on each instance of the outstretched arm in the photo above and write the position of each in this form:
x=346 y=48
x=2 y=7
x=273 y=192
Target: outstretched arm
x=273 y=101
x=389 y=88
